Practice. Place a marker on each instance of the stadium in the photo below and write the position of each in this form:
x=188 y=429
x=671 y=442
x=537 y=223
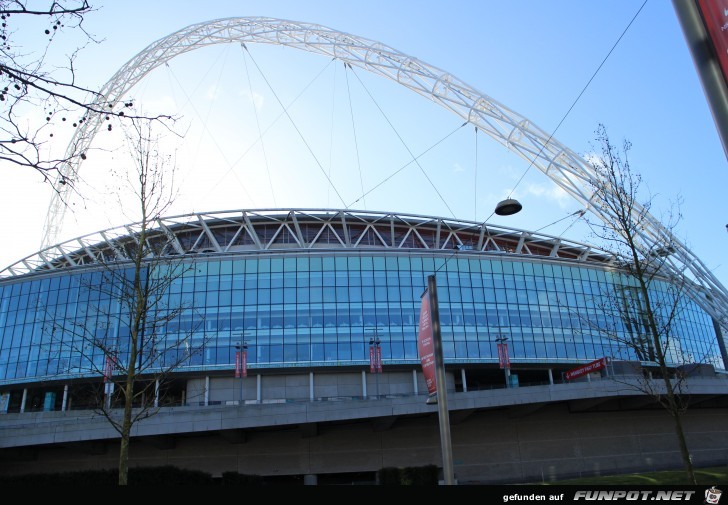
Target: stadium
x=288 y=337
x=307 y=291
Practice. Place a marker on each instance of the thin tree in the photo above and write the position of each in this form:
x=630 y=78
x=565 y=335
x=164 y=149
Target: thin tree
x=39 y=90
x=135 y=335
x=642 y=312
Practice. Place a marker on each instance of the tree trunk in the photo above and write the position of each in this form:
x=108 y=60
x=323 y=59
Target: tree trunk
x=125 y=433
x=684 y=452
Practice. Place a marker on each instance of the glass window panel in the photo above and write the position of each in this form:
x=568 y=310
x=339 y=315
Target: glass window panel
x=403 y=263
x=276 y=296
x=328 y=264
x=299 y=295
x=330 y=353
x=263 y=296
x=276 y=280
x=213 y=268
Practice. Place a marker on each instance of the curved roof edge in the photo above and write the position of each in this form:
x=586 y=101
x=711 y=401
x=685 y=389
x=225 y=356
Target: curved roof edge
x=239 y=230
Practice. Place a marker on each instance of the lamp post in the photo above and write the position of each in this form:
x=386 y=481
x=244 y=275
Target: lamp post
x=503 y=359
x=375 y=355
x=430 y=339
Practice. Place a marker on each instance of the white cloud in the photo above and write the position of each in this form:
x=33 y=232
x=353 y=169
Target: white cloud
x=549 y=192
x=213 y=93
x=257 y=99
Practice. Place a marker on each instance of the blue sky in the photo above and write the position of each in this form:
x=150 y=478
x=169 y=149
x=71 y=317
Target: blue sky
x=533 y=56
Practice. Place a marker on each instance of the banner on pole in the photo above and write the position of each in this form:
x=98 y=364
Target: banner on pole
x=715 y=19
x=503 y=360
x=241 y=364
x=375 y=359
x=108 y=368
x=426 y=345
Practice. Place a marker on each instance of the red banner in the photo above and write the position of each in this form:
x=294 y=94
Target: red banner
x=503 y=359
x=241 y=364
x=588 y=368
x=108 y=368
x=375 y=359
x=426 y=345
x=715 y=18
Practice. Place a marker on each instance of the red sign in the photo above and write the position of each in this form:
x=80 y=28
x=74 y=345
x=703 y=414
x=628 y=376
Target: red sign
x=375 y=359
x=503 y=360
x=715 y=18
x=588 y=368
x=426 y=345
x=241 y=364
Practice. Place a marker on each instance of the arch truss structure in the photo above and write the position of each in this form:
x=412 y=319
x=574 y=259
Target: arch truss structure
x=566 y=168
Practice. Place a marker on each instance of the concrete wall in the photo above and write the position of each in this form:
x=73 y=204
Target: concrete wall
x=523 y=434
x=488 y=447
x=297 y=386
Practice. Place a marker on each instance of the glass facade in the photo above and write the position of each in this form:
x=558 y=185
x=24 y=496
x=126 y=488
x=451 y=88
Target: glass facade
x=318 y=308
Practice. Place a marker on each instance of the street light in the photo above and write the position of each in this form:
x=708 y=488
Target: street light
x=508 y=207
x=375 y=355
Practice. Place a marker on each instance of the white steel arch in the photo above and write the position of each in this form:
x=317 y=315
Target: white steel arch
x=562 y=165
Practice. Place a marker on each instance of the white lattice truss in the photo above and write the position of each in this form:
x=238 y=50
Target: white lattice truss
x=565 y=167
x=276 y=230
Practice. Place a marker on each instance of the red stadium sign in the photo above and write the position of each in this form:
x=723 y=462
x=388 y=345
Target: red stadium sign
x=588 y=368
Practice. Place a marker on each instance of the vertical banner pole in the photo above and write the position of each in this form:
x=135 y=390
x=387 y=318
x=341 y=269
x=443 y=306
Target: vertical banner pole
x=443 y=414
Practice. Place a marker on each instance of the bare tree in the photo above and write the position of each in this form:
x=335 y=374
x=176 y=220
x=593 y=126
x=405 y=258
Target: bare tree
x=40 y=95
x=642 y=312
x=136 y=332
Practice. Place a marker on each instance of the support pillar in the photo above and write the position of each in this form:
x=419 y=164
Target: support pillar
x=65 y=398
x=156 y=393
x=207 y=391
x=551 y=377
x=22 y=402
x=310 y=387
x=464 y=380
x=258 y=388
x=363 y=384
x=414 y=382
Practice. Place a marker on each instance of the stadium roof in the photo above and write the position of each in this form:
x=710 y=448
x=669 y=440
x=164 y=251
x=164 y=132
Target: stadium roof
x=226 y=232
